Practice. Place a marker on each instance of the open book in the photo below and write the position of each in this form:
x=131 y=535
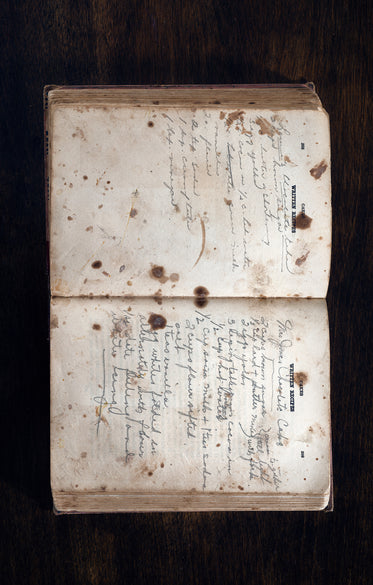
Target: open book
x=190 y=240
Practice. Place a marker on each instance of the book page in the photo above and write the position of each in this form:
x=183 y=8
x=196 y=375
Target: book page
x=159 y=201
x=227 y=396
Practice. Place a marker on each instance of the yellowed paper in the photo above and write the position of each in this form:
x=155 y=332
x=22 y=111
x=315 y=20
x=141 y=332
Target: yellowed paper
x=150 y=201
x=232 y=397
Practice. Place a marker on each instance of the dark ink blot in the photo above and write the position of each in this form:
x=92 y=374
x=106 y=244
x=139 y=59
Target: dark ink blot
x=228 y=201
x=96 y=264
x=156 y=102
x=302 y=221
x=162 y=464
x=150 y=124
x=241 y=488
x=85 y=177
x=201 y=294
x=133 y=212
x=157 y=322
x=96 y=326
x=201 y=291
x=69 y=218
x=158 y=271
x=150 y=473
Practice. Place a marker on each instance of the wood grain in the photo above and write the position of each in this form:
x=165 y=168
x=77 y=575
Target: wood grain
x=159 y=42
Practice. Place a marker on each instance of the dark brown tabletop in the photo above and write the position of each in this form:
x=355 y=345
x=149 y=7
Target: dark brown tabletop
x=187 y=42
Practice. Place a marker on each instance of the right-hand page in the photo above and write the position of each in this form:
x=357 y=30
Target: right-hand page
x=232 y=397
x=164 y=200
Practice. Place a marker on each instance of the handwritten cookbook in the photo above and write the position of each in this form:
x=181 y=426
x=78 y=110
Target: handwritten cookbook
x=189 y=234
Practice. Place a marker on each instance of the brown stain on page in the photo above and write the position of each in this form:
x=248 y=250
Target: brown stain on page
x=158 y=297
x=318 y=170
x=101 y=416
x=302 y=259
x=60 y=286
x=302 y=221
x=96 y=264
x=54 y=322
x=146 y=470
x=316 y=428
x=121 y=329
x=79 y=134
x=157 y=322
x=201 y=293
x=266 y=127
x=237 y=115
x=203 y=242
x=300 y=377
x=158 y=273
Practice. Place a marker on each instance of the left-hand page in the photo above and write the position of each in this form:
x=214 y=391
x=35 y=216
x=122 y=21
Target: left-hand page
x=151 y=201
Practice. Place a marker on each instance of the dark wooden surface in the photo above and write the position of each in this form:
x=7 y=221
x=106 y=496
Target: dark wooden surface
x=199 y=41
